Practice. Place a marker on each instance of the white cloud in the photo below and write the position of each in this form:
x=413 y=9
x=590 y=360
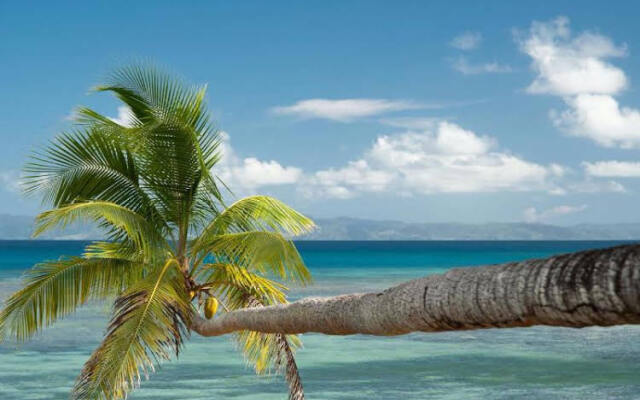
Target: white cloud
x=576 y=68
x=443 y=159
x=558 y=170
x=591 y=186
x=600 y=118
x=462 y=65
x=621 y=169
x=446 y=139
x=344 y=110
x=343 y=183
x=250 y=173
x=10 y=181
x=532 y=215
x=466 y=41
x=125 y=116
x=253 y=173
x=567 y=65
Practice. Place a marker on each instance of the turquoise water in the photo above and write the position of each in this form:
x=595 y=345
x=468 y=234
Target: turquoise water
x=532 y=363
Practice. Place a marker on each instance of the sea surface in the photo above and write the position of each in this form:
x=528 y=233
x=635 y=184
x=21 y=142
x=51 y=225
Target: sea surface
x=524 y=363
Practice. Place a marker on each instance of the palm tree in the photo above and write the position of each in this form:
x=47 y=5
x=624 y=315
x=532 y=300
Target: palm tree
x=172 y=246
x=590 y=288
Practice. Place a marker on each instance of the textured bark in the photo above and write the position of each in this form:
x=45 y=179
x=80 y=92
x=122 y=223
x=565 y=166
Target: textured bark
x=596 y=287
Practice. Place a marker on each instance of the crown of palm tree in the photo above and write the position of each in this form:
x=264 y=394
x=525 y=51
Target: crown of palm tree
x=171 y=240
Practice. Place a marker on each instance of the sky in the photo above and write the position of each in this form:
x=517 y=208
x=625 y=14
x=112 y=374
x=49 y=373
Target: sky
x=439 y=111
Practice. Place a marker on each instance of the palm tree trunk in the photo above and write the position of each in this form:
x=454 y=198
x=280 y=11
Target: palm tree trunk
x=596 y=287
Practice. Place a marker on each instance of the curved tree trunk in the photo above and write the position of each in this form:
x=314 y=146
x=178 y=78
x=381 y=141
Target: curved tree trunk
x=596 y=287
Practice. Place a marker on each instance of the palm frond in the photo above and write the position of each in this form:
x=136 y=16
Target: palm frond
x=171 y=168
x=89 y=117
x=261 y=251
x=234 y=283
x=130 y=135
x=139 y=106
x=172 y=139
x=123 y=250
x=149 y=325
x=54 y=289
x=121 y=219
x=172 y=102
x=175 y=164
x=258 y=213
x=239 y=288
x=88 y=164
x=152 y=93
x=148 y=184
x=286 y=363
x=267 y=352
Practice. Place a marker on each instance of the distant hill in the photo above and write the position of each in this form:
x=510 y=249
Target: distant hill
x=343 y=228
x=21 y=227
x=361 y=229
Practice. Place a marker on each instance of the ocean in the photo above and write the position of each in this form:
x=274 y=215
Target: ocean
x=531 y=363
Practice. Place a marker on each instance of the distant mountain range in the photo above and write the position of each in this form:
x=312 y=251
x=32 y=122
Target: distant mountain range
x=343 y=228
x=361 y=229
x=21 y=227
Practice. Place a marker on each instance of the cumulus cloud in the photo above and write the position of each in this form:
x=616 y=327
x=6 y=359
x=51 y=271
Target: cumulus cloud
x=344 y=110
x=567 y=65
x=532 y=215
x=621 y=169
x=443 y=159
x=577 y=68
x=462 y=65
x=346 y=182
x=250 y=173
x=439 y=157
x=600 y=118
x=466 y=41
x=436 y=157
x=253 y=173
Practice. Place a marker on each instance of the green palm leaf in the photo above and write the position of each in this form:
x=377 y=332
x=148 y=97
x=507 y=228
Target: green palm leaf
x=272 y=352
x=123 y=250
x=260 y=251
x=120 y=219
x=148 y=185
x=238 y=288
x=177 y=145
x=88 y=164
x=57 y=288
x=258 y=213
x=233 y=283
x=88 y=117
x=149 y=323
x=154 y=94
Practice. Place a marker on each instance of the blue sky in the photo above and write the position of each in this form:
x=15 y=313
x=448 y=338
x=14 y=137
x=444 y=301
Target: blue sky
x=409 y=110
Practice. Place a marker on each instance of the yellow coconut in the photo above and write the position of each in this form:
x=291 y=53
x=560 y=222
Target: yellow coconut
x=210 y=307
x=192 y=294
